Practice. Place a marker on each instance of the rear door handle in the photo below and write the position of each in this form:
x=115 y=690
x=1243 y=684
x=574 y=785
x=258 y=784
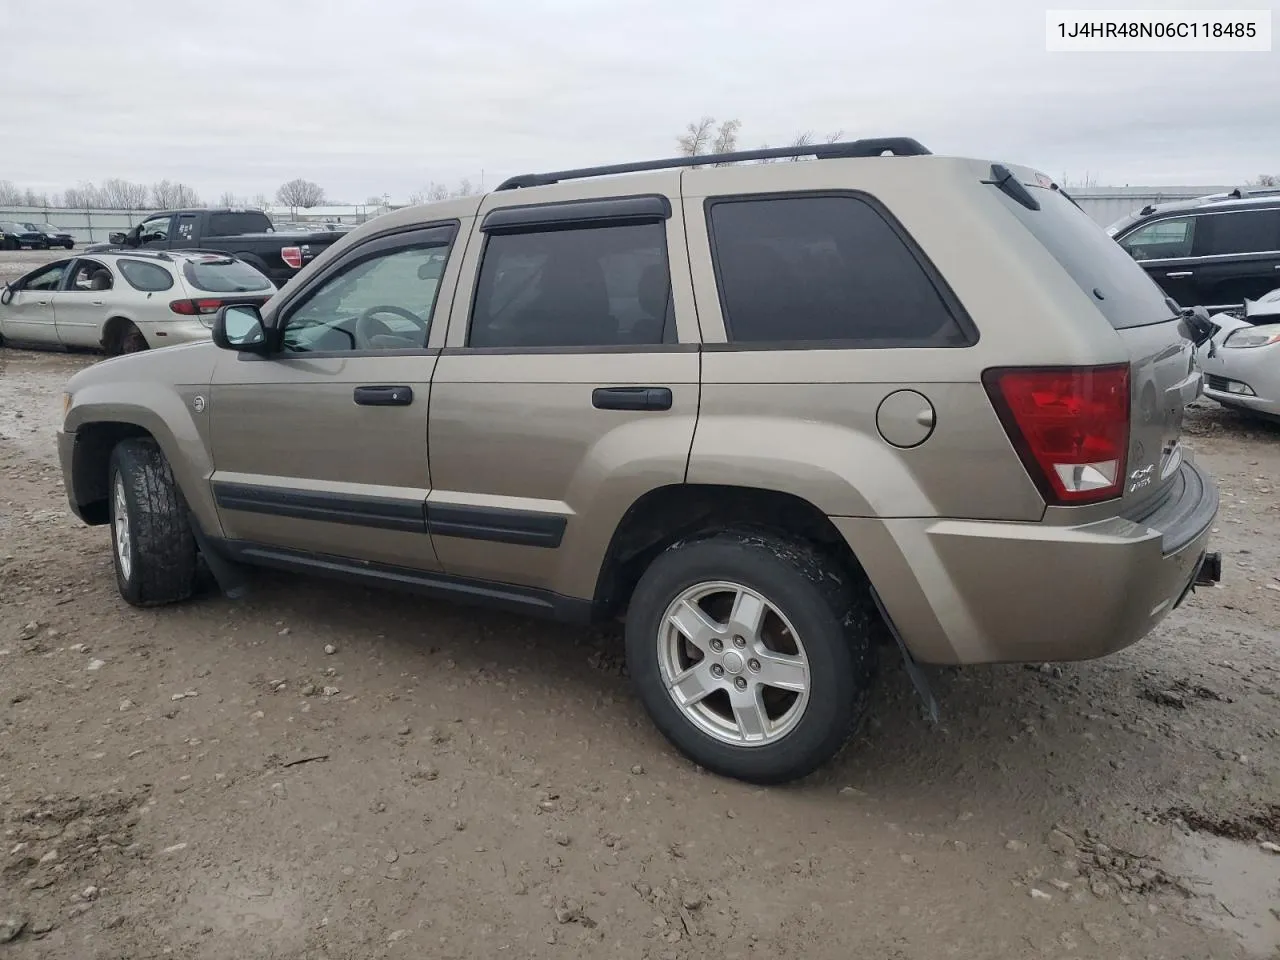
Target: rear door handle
x=1181 y=273
x=631 y=398
x=397 y=396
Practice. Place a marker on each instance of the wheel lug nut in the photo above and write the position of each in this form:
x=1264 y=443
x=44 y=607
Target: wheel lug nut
x=717 y=670
x=754 y=664
x=739 y=642
x=740 y=683
x=717 y=645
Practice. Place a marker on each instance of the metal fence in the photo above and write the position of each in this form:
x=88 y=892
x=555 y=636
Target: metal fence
x=87 y=226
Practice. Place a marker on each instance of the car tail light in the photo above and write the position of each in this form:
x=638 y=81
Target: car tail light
x=292 y=256
x=194 y=308
x=1070 y=426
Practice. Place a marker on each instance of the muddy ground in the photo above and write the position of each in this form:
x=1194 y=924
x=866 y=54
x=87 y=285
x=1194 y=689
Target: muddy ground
x=324 y=771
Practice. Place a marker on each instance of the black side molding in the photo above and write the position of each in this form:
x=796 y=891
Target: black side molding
x=381 y=512
x=485 y=593
x=520 y=527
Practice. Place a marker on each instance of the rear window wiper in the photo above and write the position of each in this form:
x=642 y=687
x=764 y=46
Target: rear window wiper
x=1002 y=177
x=1054 y=186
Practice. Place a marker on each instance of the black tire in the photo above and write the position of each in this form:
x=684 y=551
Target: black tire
x=132 y=340
x=833 y=615
x=160 y=545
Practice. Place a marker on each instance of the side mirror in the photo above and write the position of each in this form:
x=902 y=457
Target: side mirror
x=238 y=326
x=6 y=294
x=118 y=238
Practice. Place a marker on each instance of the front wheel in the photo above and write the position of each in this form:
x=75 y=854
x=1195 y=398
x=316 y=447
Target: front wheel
x=753 y=654
x=153 y=548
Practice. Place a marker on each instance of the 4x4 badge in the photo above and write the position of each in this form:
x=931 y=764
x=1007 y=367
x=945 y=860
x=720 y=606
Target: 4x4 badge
x=198 y=402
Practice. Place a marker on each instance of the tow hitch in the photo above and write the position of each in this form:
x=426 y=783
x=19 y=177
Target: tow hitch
x=1210 y=571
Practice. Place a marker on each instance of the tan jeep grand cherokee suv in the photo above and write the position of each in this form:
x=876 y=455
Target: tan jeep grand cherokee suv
x=762 y=411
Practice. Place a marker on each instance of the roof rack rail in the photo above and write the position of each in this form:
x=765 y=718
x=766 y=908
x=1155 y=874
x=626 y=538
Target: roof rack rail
x=899 y=146
x=1240 y=193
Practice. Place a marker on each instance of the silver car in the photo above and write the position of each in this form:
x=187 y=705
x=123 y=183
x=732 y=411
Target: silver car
x=1241 y=362
x=126 y=302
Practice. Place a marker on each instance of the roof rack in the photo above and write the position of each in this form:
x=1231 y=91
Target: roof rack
x=899 y=146
x=1241 y=193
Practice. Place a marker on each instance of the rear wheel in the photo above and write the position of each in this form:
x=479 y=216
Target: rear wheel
x=123 y=337
x=153 y=548
x=753 y=654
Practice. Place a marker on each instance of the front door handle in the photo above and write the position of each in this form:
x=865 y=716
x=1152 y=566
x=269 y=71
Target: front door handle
x=390 y=396
x=631 y=398
x=1180 y=273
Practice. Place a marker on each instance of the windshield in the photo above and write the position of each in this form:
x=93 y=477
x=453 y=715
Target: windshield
x=224 y=275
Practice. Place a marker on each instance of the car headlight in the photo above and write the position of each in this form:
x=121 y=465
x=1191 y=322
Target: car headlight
x=1259 y=336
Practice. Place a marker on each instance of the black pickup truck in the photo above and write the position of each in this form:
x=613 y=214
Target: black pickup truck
x=246 y=234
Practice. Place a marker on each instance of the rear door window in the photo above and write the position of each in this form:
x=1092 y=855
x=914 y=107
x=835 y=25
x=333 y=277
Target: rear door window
x=824 y=269
x=231 y=224
x=1246 y=231
x=1100 y=267
x=224 y=276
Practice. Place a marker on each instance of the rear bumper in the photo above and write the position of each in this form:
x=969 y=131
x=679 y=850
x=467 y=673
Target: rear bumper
x=970 y=591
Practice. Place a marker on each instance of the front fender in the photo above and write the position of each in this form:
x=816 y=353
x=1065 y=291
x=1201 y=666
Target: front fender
x=168 y=414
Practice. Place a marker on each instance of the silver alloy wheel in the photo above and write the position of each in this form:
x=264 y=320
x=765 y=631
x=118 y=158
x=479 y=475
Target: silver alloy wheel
x=123 y=539
x=733 y=663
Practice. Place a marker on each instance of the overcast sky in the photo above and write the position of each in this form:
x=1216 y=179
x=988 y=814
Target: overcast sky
x=240 y=96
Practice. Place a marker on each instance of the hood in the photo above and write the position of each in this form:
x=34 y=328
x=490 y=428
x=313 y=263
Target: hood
x=189 y=363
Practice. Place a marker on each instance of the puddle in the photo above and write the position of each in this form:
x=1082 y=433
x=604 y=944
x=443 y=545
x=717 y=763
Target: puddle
x=1238 y=885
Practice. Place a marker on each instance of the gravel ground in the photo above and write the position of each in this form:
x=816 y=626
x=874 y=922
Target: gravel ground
x=324 y=771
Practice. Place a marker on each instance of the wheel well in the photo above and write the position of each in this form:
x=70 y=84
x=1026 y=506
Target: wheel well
x=113 y=333
x=687 y=511
x=92 y=453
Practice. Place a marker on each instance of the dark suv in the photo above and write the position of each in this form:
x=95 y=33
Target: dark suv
x=1215 y=251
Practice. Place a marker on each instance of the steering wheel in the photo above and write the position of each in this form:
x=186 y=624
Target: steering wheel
x=367 y=327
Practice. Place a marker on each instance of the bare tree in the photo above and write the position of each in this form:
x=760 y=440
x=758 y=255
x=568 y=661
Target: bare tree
x=727 y=137
x=465 y=189
x=117 y=194
x=85 y=196
x=261 y=200
x=1268 y=180
x=802 y=140
x=300 y=193
x=168 y=195
x=32 y=199
x=9 y=194
x=231 y=199
x=697 y=135
x=835 y=136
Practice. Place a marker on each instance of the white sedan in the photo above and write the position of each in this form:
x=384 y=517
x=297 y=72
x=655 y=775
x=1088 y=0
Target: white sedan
x=1241 y=361
x=125 y=302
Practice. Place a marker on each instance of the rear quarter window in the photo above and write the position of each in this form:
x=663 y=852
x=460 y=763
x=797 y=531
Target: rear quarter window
x=224 y=276
x=1120 y=289
x=812 y=269
x=147 y=277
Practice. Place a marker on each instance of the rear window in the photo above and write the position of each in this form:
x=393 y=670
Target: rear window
x=230 y=224
x=224 y=276
x=1120 y=289
x=147 y=277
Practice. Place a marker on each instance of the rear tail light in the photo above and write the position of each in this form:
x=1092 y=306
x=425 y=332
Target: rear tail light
x=292 y=256
x=1070 y=426
x=194 y=308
